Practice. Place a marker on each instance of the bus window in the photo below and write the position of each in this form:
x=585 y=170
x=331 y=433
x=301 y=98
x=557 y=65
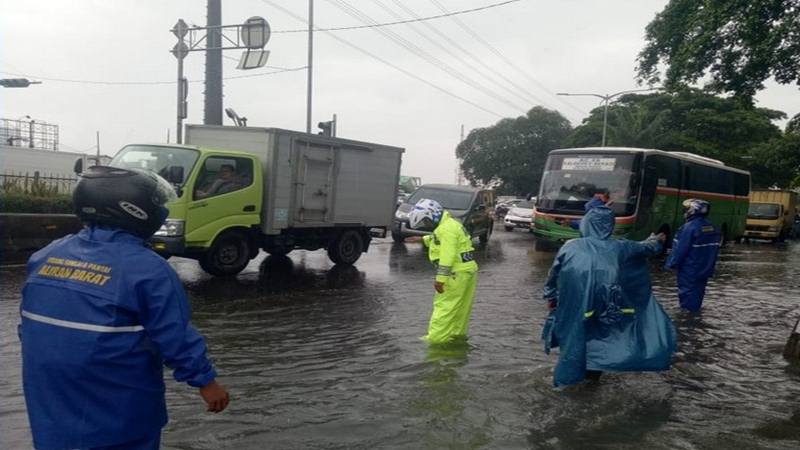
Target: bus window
x=742 y=185
x=570 y=180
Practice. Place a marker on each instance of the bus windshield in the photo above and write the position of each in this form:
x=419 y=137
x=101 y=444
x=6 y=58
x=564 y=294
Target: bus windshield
x=156 y=158
x=768 y=211
x=570 y=180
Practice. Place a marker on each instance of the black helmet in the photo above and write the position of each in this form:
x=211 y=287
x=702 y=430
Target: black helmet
x=131 y=199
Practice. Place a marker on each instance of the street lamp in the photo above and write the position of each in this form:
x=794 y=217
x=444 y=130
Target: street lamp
x=606 y=98
x=17 y=82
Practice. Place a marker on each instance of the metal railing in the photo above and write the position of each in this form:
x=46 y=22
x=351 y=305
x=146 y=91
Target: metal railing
x=36 y=184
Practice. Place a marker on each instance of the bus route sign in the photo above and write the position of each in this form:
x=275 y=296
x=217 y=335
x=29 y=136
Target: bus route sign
x=584 y=163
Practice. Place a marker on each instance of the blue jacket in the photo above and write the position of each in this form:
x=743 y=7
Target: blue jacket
x=695 y=249
x=606 y=316
x=101 y=314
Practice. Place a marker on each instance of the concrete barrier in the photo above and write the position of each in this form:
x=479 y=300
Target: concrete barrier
x=23 y=234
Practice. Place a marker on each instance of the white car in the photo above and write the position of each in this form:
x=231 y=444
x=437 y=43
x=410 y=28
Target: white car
x=520 y=216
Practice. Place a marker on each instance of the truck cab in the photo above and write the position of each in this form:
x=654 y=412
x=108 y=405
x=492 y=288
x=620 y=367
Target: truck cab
x=218 y=192
x=771 y=215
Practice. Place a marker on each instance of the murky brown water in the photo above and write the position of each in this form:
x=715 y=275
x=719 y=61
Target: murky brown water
x=317 y=356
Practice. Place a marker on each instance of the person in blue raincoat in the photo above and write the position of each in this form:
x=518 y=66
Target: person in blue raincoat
x=694 y=254
x=100 y=316
x=603 y=315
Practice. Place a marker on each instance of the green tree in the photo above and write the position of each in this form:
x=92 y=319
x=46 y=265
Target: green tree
x=793 y=126
x=693 y=121
x=777 y=162
x=511 y=154
x=738 y=43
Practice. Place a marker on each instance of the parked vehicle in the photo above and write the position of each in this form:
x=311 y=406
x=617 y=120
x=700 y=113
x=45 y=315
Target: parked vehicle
x=520 y=216
x=646 y=187
x=771 y=215
x=273 y=189
x=502 y=208
x=472 y=206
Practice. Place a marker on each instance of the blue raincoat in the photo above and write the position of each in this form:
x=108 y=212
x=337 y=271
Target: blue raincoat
x=694 y=255
x=606 y=317
x=101 y=314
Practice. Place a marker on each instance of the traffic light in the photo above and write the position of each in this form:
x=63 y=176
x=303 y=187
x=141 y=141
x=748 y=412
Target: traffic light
x=326 y=127
x=16 y=82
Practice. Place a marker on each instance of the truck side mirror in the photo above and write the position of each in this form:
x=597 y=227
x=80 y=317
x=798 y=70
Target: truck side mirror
x=175 y=174
x=78 y=167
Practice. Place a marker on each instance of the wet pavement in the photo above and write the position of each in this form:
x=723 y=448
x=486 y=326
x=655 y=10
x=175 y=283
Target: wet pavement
x=322 y=356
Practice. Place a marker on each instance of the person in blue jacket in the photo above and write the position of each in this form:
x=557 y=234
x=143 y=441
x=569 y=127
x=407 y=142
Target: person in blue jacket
x=100 y=316
x=694 y=254
x=603 y=315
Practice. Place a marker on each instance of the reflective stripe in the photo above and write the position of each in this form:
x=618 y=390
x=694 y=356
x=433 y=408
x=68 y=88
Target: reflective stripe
x=444 y=271
x=713 y=244
x=588 y=314
x=628 y=310
x=79 y=325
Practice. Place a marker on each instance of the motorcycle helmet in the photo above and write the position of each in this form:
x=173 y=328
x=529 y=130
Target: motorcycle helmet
x=131 y=199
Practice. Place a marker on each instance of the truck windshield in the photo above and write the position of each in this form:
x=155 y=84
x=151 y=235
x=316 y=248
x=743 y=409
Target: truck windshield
x=159 y=159
x=449 y=199
x=768 y=211
x=570 y=180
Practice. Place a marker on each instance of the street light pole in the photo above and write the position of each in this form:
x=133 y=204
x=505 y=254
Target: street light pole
x=606 y=98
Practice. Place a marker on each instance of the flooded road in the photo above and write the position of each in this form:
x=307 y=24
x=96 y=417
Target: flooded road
x=317 y=356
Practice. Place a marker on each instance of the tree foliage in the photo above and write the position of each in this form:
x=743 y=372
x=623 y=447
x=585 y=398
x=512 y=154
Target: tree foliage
x=511 y=154
x=739 y=43
x=692 y=121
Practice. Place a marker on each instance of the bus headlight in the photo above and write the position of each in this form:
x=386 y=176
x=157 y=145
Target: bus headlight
x=172 y=227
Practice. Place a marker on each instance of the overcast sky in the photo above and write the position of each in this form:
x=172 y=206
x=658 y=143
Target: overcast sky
x=553 y=46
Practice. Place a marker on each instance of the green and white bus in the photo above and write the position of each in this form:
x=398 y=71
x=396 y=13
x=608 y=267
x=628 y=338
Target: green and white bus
x=646 y=188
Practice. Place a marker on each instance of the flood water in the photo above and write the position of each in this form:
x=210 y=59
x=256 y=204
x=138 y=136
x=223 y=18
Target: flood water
x=317 y=356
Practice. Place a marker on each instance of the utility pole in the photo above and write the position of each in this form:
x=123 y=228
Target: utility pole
x=213 y=105
x=310 y=62
x=98 y=148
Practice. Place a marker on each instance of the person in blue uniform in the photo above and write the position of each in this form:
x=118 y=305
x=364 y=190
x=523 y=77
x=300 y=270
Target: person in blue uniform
x=694 y=254
x=100 y=316
x=603 y=315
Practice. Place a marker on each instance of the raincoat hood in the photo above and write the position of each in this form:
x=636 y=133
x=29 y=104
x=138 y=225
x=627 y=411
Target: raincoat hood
x=597 y=223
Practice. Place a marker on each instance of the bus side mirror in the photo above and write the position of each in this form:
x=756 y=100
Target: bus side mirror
x=78 y=167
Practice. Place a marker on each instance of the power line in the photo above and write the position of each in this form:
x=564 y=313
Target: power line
x=145 y=83
x=497 y=52
x=400 y=22
x=529 y=97
x=399 y=69
x=431 y=59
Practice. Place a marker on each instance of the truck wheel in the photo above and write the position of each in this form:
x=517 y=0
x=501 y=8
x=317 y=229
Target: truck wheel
x=484 y=238
x=508 y=228
x=397 y=237
x=228 y=255
x=346 y=248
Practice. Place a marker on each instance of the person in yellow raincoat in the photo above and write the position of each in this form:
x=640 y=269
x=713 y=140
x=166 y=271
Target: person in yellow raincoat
x=450 y=250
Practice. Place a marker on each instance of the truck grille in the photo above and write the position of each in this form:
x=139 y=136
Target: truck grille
x=758 y=227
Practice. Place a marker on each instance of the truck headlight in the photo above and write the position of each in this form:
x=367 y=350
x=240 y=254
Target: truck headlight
x=400 y=214
x=774 y=228
x=172 y=227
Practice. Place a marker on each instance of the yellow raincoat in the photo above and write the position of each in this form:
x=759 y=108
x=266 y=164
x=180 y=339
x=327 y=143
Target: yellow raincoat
x=450 y=249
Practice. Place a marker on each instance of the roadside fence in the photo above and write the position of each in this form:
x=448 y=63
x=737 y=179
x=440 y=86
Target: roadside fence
x=37 y=184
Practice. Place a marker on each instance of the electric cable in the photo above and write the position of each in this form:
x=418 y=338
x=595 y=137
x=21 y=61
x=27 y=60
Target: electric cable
x=394 y=66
